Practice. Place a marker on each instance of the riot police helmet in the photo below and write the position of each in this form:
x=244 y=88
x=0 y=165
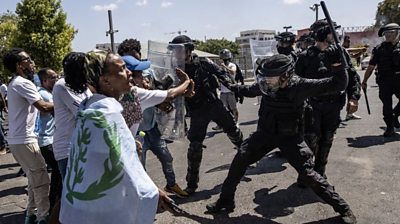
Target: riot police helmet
x=286 y=37
x=273 y=72
x=225 y=54
x=183 y=39
x=320 y=29
x=388 y=27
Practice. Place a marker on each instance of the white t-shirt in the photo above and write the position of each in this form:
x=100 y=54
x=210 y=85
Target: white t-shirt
x=22 y=93
x=148 y=98
x=66 y=104
x=3 y=91
x=231 y=66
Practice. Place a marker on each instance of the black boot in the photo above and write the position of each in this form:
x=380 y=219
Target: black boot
x=220 y=206
x=396 y=123
x=348 y=217
x=389 y=132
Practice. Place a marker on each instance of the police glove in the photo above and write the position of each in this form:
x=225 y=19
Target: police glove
x=334 y=54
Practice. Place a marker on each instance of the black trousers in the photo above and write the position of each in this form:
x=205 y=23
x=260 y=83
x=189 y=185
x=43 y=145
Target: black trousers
x=388 y=88
x=211 y=111
x=56 y=179
x=199 y=120
x=320 y=131
x=298 y=155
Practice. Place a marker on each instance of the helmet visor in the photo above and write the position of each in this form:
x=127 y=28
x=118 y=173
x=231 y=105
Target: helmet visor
x=269 y=85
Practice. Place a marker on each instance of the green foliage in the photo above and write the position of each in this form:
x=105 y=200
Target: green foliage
x=8 y=28
x=388 y=12
x=43 y=32
x=214 y=46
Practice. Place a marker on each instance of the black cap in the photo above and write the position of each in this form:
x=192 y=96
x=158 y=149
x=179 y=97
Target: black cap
x=389 y=26
x=276 y=65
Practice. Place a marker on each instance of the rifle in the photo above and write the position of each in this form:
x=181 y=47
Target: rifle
x=337 y=44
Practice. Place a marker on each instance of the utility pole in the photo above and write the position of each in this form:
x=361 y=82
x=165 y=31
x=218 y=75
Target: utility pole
x=315 y=9
x=111 y=31
x=287 y=28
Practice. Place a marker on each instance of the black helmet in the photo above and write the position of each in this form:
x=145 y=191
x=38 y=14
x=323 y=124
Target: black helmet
x=320 y=29
x=307 y=37
x=389 y=26
x=185 y=40
x=276 y=65
x=225 y=54
x=286 y=37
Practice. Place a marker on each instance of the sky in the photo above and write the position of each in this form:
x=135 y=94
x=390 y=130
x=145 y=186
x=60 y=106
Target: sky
x=160 y=20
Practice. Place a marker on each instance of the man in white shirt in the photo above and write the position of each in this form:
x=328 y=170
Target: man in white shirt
x=228 y=97
x=24 y=103
x=66 y=104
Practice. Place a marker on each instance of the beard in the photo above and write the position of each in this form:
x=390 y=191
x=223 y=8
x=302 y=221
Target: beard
x=28 y=73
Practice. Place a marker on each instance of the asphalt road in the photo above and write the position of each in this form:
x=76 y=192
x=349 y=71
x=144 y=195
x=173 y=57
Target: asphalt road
x=363 y=167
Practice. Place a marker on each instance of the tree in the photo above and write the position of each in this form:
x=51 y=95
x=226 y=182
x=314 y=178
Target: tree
x=388 y=12
x=214 y=46
x=8 y=30
x=43 y=32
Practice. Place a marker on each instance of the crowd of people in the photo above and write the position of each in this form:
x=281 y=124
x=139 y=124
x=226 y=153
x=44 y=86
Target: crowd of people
x=94 y=125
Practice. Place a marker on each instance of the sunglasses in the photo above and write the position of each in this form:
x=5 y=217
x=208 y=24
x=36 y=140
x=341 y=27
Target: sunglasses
x=28 y=59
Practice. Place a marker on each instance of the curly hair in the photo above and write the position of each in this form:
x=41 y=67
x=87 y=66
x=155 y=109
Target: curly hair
x=11 y=58
x=74 y=73
x=129 y=45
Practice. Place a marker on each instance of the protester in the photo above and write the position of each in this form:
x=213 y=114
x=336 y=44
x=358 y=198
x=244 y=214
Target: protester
x=24 y=103
x=139 y=105
x=48 y=78
x=66 y=103
x=103 y=167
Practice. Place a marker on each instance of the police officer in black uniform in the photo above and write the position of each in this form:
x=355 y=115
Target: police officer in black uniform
x=280 y=126
x=322 y=115
x=204 y=107
x=304 y=41
x=285 y=43
x=387 y=57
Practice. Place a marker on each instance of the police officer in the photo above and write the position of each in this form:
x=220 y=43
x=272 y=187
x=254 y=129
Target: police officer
x=280 y=126
x=304 y=41
x=387 y=57
x=204 y=107
x=285 y=43
x=322 y=116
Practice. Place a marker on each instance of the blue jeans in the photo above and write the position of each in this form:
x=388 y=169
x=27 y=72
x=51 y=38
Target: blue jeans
x=62 y=166
x=154 y=143
x=2 y=138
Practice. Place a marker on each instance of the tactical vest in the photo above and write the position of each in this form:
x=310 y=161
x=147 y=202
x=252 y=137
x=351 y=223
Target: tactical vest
x=388 y=59
x=317 y=65
x=280 y=115
x=206 y=84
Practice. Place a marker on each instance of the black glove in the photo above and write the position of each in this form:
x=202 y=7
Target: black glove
x=334 y=54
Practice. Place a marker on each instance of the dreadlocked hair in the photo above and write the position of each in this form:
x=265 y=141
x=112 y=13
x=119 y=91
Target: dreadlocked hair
x=74 y=73
x=129 y=45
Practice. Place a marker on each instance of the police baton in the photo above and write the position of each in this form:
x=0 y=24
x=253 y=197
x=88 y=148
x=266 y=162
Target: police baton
x=334 y=34
x=366 y=100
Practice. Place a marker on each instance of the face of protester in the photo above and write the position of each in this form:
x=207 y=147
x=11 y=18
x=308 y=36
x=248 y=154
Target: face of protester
x=137 y=78
x=26 y=66
x=50 y=80
x=117 y=80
